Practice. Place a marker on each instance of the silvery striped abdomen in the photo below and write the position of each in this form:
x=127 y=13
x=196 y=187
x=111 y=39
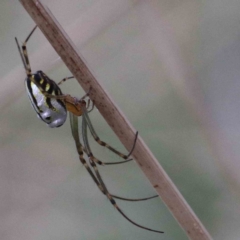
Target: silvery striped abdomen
x=50 y=110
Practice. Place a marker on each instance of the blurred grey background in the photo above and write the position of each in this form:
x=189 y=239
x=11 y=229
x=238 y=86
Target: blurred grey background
x=173 y=68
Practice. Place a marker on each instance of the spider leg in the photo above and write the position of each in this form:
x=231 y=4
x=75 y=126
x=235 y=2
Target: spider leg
x=25 y=54
x=87 y=150
x=88 y=105
x=102 y=143
x=65 y=79
x=74 y=129
x=109 y=196
x=80 y=148
x=21 y=55
x=87 y=146
x=134 y=199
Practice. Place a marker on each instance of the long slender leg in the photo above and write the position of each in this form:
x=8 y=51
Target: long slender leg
x=102 y=143
x=87 y=150
x=110 y=197
x=88 y=105
x=21 y=55
x=86 y=144
x=25 y=54
x=134 y=199
x=80 y=148
x=65 y=79
x=74 y=129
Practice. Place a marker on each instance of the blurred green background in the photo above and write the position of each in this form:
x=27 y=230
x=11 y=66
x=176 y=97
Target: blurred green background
x=173 y=68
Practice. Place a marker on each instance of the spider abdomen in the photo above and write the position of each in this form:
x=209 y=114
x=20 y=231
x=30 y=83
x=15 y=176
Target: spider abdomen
x=50 y=110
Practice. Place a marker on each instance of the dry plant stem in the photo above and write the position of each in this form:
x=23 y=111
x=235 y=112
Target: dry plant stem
x=122 y=128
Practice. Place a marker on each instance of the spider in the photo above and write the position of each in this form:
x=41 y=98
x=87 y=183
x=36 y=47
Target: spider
x=51 y=106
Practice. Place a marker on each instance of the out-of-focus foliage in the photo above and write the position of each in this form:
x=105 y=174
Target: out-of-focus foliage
x=173 y=69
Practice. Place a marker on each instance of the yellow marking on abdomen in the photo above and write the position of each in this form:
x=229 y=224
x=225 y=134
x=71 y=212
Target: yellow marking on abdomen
x=47 y=87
